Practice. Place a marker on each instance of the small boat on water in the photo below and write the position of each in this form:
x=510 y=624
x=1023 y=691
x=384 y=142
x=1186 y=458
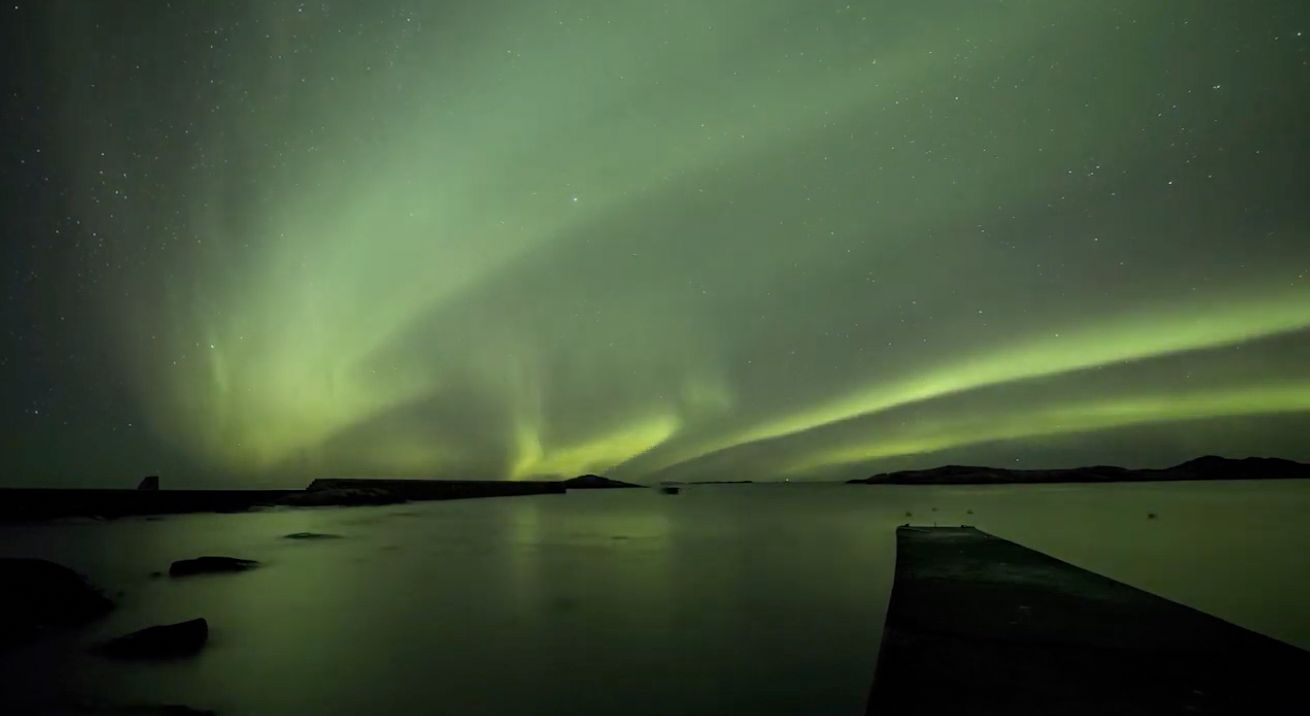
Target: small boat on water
x=670 y=489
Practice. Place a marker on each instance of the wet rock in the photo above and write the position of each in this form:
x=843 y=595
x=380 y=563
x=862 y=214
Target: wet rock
x=38 y=594
x=311 y=535
x=159 y=642
x=98 y=707
x=209 y=565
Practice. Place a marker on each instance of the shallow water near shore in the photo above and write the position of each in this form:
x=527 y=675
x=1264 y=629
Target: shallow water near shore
x=761 y=599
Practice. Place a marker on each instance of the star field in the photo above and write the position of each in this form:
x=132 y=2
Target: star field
x=251 y=243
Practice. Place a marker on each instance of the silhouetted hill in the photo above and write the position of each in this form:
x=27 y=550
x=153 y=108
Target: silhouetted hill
x=595 y=482
x=1210 y=467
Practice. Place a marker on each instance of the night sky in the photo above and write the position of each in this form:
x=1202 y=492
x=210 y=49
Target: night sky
x=249 y=243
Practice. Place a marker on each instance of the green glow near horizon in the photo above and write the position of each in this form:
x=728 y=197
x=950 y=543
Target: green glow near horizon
x=527 y=239
x=931 y=436
x=1129 y=338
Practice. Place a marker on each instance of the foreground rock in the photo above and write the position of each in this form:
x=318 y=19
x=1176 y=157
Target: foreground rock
x=159 y=642
x=36 y=594
x=595 y=482
x=341 y=497
x=108 y=709
x=209 y=565
x=311 y=535
x=1210 y=467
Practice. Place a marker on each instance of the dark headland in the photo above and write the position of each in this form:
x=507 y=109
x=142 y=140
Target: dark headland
x=1210 y=467
x=21 y=503
x=980 y=625
x=595 y=482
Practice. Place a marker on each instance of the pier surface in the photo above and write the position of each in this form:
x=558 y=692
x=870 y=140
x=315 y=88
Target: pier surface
x=981 y=625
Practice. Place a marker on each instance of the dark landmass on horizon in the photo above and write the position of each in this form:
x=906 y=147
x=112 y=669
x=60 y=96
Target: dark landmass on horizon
x=37 y=503
x=22 y=503
x=1209 y=467
x=595 y=482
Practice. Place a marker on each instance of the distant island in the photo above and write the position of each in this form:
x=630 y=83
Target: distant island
x=1210 y=467
x=595 y=482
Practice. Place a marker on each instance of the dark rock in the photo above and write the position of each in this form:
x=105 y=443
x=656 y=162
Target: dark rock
x=209 y=565
x=97 y=707
x=344 y=496
x=149 y=482
x=311 y=535
x=159 y=642
x=595 y=482
x=38 y=594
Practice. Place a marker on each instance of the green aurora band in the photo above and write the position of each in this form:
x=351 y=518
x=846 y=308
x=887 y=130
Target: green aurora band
x=701 y=238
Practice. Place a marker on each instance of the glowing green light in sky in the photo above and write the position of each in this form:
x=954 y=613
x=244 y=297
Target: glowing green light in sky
x=524 y=239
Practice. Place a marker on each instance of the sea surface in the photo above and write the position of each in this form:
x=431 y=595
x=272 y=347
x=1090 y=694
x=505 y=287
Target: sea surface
x=734 y=599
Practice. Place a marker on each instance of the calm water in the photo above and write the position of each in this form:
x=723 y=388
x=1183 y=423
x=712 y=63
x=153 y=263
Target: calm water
x=722 y=600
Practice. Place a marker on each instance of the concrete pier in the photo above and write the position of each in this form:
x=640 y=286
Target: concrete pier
x=980 y=625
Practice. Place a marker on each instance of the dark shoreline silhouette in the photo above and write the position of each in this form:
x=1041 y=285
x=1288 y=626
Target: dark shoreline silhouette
x=1210 y=467
x=36 y=503
x=40 y=503
x=27 y=503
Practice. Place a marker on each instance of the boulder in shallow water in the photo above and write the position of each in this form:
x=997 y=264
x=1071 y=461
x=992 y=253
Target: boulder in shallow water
x=38 y=594
x=109 y=709
x=311 y=535
x=209 y=565
x=159 y=642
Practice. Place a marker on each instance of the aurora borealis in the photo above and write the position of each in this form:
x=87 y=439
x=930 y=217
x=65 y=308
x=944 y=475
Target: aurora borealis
x=256 y=242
